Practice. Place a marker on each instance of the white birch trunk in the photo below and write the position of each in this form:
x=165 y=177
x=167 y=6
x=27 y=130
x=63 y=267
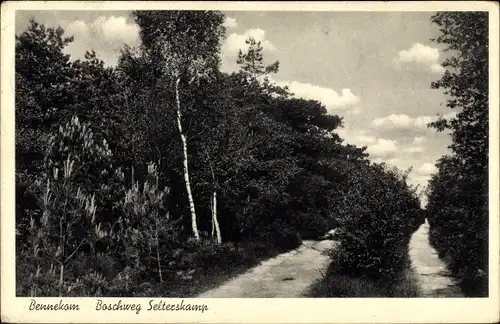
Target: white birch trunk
x=186 y=169
x=214 y=218
x=213 y=203
x=61 y=279
x=213 y=224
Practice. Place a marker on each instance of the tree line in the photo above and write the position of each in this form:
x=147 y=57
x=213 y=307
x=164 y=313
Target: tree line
x=150 y=176
x=458 y=193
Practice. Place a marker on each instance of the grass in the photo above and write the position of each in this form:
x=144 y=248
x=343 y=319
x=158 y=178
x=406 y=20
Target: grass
x=207 y=277
x=205 y=280
x=216 y=265
x=201 y=282
x=337 y=284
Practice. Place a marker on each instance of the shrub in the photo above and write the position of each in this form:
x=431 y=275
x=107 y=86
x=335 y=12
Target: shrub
x=458 y=218
x=377 y=215
x=311 y=226
x=287 y=240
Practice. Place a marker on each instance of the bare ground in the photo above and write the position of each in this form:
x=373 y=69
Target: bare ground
x=431 y=273
x=287 y=275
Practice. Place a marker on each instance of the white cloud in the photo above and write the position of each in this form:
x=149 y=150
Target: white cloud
x=437 y=68
x=365 y=140
x=415 y=149
x=77 y=28
x=450 y=115
x=328 y=97
x=107 y=29
x=423 y=121
x=379 y=148
x=420 y=55
x=426 y=169
x=235 y=42
x=419 y=140
x=403 y=121
x=105 y=35
x=421 y=181
x=382 y=147
x=356 y=137
x=230 y=22
x=116 y=29
x=397 y=162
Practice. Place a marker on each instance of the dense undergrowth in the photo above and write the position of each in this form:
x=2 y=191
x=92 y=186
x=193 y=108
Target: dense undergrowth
x=337 y=283
x=162 y=176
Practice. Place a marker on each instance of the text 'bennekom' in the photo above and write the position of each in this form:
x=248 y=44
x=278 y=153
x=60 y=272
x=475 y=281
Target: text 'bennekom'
x=120 y=306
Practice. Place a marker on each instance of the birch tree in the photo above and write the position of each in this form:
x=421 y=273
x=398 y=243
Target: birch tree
x=185 y=46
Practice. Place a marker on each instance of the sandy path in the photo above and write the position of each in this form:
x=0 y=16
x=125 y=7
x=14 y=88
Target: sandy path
x=431 y=273
x=287 y=275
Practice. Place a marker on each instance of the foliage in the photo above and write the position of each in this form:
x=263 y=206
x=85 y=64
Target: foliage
x=276 y=163
x=377 y=217
x=68 y=204
x=338 y=284
x=144 y=226
x=458 y=193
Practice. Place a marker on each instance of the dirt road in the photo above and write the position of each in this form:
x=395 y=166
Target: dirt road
x=287 y=275
x=430 y=271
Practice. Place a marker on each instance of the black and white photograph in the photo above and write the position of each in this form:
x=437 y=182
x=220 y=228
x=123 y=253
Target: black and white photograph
x=193 y=154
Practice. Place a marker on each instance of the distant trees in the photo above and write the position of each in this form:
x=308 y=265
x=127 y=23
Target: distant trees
x=458 y=192
x=240 y=166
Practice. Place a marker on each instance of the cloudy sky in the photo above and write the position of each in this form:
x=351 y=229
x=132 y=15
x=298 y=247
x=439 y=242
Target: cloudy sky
x=372 y=68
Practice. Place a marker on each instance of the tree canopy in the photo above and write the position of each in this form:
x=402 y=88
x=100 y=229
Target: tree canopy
x=458 y=192
x=264 y=169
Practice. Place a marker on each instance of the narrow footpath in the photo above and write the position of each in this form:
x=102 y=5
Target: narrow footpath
x=287 y=275
x=430 y=271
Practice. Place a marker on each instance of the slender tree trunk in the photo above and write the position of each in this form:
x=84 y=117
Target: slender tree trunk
x=61 y=278
x=186 y=169
x=158 y=250
x=215 y=222
x=214 y=218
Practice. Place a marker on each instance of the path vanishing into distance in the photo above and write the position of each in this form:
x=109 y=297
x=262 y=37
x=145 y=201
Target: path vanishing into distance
x=287 y=275
x=291 y=274
x=430 y=271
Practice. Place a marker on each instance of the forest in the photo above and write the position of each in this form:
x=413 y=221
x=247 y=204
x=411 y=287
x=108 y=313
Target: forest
x=162 y=175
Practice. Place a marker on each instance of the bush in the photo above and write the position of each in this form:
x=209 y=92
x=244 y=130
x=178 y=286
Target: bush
x=287 y=240
x=377 y=218
x=261 y=249
x=339 y=283
x=311 y=226
x=458 y=218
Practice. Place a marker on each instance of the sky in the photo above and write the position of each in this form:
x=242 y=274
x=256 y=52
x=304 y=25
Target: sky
x=374 y=69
